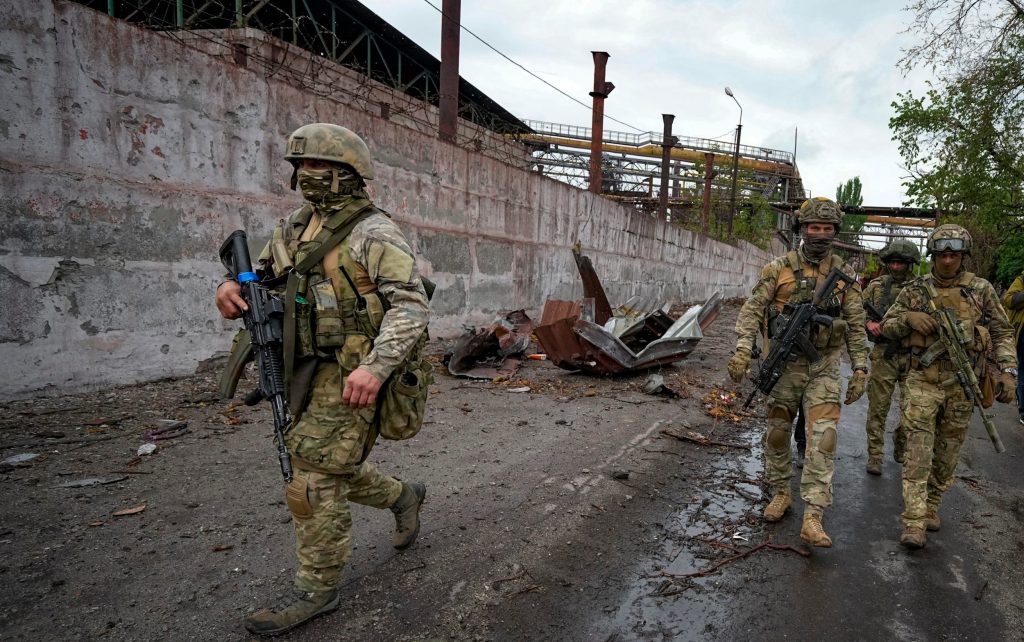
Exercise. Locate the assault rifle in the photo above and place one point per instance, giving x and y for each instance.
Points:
(952, 341)
(265, 322)
(795, 337)
(874, 314)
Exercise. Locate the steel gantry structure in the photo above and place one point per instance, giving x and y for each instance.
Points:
(632, 164)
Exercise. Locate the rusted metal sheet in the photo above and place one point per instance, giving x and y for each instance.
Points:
(494, 351)
(592, 288)
(637, 335)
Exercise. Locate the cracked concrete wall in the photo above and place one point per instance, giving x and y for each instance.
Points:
(126, 156)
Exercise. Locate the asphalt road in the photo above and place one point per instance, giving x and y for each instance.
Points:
(962, 586)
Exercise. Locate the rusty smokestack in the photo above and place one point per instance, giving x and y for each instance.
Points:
(667, 142)
(451, 18)
(601, 91)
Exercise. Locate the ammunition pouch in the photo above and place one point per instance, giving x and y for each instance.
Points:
(328, 327)
(403, 397)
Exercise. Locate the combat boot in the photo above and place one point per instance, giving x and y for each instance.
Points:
(931, 518)
(776, 508)
(912, 537)
(407, 514)
(812, 532)
(874, 466)
(295, 608)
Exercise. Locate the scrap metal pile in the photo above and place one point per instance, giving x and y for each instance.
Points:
(589, 336)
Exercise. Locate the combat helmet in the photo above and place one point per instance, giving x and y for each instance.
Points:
(900, 250)
(820, 210)
(949, 238)
(334, 143)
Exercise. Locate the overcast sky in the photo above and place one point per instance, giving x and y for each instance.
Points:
(826, 67)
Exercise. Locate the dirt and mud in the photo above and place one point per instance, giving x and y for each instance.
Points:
(583, 509)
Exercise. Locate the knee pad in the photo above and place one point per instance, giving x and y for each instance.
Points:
(296, 495)
(778, 438)
(827, 444)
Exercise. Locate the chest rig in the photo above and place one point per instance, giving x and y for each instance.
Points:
(971, 321)
(803, 289)
(326, 318)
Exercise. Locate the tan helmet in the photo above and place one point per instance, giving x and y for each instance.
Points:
(334, 143)
(900, 250)
(949, 238)
(820, 210)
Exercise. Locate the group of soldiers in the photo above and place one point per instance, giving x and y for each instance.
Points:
(897, 312)
(356, 313)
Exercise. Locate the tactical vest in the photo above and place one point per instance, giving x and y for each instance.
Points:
(795, 287)
(968, 306)
(337, 308)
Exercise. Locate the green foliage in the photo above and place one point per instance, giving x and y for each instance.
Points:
(849, 194)
(755, 222)
(962, 141)
(1010, 259)
(872, 264)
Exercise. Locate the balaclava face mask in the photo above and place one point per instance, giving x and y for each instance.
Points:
(327, 187)
(816, 246)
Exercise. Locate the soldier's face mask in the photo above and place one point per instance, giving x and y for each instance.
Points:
(946, 265)
(324, 186)
(816, 245)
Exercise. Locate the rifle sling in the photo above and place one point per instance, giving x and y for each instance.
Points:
(298, 376)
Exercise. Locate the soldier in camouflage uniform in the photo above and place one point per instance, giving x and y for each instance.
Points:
(349, 350)
(792, 279)
(887, 361)
(935, 410)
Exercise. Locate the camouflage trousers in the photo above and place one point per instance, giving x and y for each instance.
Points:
(815, 387)
(327, 445)
(935, 418)
(885, 374)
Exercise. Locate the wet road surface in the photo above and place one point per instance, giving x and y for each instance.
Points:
(961, 586)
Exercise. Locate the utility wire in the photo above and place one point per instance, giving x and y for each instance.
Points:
(492, 48)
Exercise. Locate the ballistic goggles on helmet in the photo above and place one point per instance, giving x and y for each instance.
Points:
(949, 245)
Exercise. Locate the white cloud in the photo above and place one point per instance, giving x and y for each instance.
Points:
(825, 67)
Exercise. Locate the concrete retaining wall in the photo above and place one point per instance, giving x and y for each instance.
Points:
(126, 156)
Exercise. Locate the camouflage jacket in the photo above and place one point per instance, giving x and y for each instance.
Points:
(384, 263)
(875, 292)
(976, 305)
(1016, 316)
(774, 288)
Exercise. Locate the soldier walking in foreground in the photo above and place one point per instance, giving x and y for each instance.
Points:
(936, 411)
(787, 281)
(359, 312)
(888, 362)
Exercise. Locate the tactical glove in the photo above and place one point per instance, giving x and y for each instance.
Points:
(922, 322)
(855, 388)
(738, 365)
(1006, 385)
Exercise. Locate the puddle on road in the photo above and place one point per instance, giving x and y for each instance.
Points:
(725, 512)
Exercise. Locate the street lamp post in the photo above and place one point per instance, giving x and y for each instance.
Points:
(735, 160)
